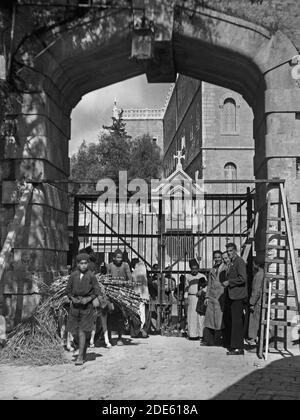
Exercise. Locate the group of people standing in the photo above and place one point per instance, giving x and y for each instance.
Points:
(217, 306)
(214, 307)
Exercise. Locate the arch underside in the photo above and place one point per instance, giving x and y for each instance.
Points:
(192, 58)
(197, 50)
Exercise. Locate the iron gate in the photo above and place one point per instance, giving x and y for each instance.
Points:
(155, 237)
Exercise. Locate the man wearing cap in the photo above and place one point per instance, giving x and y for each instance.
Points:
(82, 289)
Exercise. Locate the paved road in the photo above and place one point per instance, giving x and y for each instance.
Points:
(157, 368)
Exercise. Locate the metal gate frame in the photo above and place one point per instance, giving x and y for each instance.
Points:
(161, 234)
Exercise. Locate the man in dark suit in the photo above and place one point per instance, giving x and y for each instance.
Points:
(238, 293)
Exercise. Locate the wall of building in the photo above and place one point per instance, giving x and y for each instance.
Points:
(153, 128)
(140, 122)
(182, 125)
(197, 118)
(224, 143)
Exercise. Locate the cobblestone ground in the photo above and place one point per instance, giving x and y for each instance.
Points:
(157, 368)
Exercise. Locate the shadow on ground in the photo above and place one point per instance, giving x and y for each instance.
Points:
(278, 380)
(90, 357)
(126, 342)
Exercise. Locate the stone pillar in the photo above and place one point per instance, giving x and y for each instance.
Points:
(276, 129)
(38, 153)
(277, 135)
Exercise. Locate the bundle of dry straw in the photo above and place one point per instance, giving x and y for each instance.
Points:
(121, 294)
(36, 341)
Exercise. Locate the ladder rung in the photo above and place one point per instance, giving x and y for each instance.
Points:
(280, 247)
(275, 276)
(279, 323)
(288, 293)
(276, 219)
(276, 260)
(278, 276)
(281, 307)
(276, 232)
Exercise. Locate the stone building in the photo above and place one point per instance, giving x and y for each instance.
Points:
(140, 122)
(214, 126)
(145, 121)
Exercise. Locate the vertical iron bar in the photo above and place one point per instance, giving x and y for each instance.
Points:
(110, 223)
(220, 227)
(131, 230)
(125, 223)
(145, 234)
(105, 232)
(187, 253)
(233, 220)
(160, 264)
(179, 236)
(213, 224)
(151, 240)
(92, 218)
(226, 210)
(205, 233)
(138, 233)
(75, 229)
(241, 224)
(118, 229)
(84, 223)
(249, 223)
(98, 228)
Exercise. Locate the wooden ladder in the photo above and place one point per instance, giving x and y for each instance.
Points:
(281, 289)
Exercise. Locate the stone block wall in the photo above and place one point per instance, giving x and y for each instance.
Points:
(38, 153)
(220, 147)
(201, 107)
(152, 127)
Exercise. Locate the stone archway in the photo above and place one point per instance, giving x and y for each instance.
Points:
(94, 53)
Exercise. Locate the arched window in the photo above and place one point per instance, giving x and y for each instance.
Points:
(230, 174)
(183, 146)
(298, 167)
(229, 118)
(192, 129)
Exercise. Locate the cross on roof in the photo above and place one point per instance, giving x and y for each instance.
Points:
(179, 156)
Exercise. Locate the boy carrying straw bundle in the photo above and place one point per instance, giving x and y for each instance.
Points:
(82, 289)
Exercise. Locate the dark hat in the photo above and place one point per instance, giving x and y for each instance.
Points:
(82, 257)
(117, 252)
(192, 262)
(89, 250)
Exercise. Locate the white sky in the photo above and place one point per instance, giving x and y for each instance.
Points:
(95, 108)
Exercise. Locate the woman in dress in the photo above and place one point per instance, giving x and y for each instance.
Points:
(195, 285)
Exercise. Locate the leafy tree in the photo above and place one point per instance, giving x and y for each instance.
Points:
(115, 151)
(146, 159)
(114, 155)
(118, 126)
